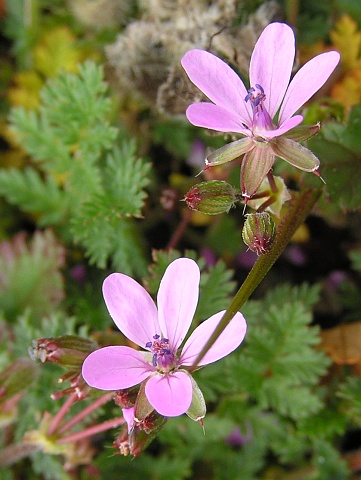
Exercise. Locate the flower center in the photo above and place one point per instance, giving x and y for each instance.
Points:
(255, 95)
(163, 358)
(261, 118)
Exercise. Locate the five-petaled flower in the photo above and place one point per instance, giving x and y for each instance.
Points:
(162, 369)
(255, 113)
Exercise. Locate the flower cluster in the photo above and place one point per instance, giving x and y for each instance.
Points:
(264, 113)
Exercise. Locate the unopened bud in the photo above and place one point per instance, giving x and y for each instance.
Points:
(68, 351)
(140, 435)
(259, 232)
(212, 197)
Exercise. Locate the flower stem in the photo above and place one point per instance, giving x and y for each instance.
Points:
(86, 412)
(61, 413)
(90, 431)
(299, 208)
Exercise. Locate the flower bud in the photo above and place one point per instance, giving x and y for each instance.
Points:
(136, 440)
(212, 197)
(68, 351)
(259, 232)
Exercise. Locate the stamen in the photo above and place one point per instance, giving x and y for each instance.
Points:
(255, 95)
(162, 355)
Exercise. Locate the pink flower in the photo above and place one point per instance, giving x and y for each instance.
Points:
(169, 387)
(264, 113)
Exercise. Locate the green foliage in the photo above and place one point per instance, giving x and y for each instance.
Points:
(49, 467)
(38, 196)
(89, 182)
(103, 224)
(355, 257)
(339, 148)
(283, 360)
(352, 8)
(350, 393)
(177, 468)
(269, 386)
(225, 236)
(328, 463)
(215, 290)
(31, 277)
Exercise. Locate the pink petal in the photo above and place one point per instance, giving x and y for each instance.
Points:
(231, 337)
(284, 128)
(307, 81)
(131, 307)
(177, 299)
(218, 81)
(208, 115)
(128, 414)
(271, 63)
(113, 368)
(170, 394)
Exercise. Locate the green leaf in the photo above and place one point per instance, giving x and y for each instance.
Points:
(125, 178)
(103, 225)
(31, 274)
(339, 149)
(355, 257)
(278, 358)
(305, 293)
(35, 195)
(215, 290)
(328, 463)
(350, 393)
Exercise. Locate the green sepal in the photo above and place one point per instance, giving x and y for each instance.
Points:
(295, 154)
(142, 406)
(229, 152)
(303, 132)
(197, 410)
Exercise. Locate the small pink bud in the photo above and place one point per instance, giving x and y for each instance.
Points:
(259, 232)
(212, 197)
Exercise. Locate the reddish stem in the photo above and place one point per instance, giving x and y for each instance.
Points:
(84, 413)
(61, 413)
(88, 432)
